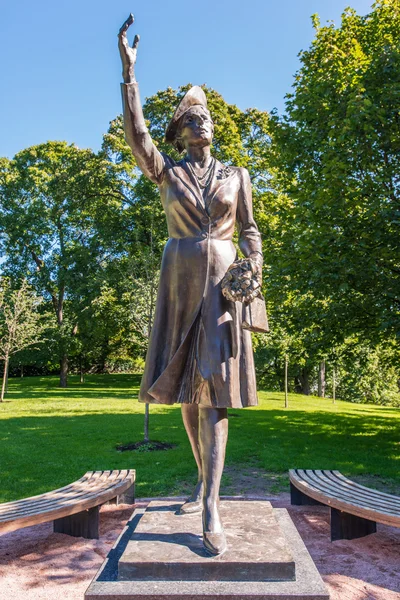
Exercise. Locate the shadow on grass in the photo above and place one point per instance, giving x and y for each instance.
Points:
(100, 386)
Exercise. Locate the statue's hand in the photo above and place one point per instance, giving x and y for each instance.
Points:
(128, 54)
(257, 264)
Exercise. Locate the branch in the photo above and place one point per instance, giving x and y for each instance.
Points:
(40, 265)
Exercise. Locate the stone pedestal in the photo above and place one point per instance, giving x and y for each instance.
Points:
(166, 545)
(160, 556)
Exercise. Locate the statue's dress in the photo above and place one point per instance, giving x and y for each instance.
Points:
(198, 351)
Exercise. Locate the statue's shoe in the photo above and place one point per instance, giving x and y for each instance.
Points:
(189, 507)
(214, 543)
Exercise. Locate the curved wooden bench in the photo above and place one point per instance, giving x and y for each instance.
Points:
(355, 509)
(73, 508)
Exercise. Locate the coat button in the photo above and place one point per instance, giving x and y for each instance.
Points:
(205, 221)
(204, 235)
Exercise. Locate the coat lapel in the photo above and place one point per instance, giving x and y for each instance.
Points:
(221, 175)
(183, 173)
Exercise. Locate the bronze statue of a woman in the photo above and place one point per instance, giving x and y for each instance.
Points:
(199, 355)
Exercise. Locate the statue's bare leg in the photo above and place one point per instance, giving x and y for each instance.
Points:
(213, 435)
(190, 416)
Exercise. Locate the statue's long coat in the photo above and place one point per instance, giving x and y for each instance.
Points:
(198, 351)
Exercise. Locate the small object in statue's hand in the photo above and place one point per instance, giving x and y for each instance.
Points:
(242, 281)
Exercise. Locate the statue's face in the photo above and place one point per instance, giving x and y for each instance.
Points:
(196, 128)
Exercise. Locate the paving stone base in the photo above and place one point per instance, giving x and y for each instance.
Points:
(270, 543)
(168, 546)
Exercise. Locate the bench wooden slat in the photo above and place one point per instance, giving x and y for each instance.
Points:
(108, 485)
(363, 492)
(336, 490)
(21, 501)
(66, 509)
(311, 485)
(102, 485)
(77, 489)
(37, 503)
(90, 479)
(335, 494)
(72, 488)
(382, 495)
(352, 492)
(347, 506)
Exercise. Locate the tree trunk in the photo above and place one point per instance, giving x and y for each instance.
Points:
(104, 355)
(3, 387)
(7, 371)
(304, 381)
(321, 379)
(64, 371)
(146, 422)
(333, 385)
(286, 382)
(82, 374)
(21, 371)
(278, 374)
(59, 305)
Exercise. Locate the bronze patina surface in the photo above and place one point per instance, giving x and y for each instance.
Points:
(199, 355)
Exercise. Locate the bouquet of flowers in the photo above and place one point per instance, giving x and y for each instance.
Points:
(242, 281)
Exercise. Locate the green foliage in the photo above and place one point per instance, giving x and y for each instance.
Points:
(332, 280)
(363, 373)
(366, 374)
(20, 320)
(88, 230)
(337, 157)
(21, 324)
(57, 206)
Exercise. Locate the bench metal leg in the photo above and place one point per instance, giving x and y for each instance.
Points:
(348, 527)
(297, 497)
(84, 524)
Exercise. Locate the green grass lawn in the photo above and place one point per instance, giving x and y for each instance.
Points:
(50, 437)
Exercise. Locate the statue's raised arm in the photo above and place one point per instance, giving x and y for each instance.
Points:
(148, 158)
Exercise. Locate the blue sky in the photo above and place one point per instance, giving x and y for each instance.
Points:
(60, 68)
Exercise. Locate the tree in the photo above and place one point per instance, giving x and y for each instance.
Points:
(21, 324)
(337, 162)
(54, 202)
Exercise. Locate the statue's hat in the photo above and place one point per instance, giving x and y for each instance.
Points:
(194, 97)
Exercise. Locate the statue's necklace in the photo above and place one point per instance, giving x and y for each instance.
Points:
(203, 180)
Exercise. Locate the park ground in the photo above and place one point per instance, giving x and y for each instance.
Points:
(51, 436)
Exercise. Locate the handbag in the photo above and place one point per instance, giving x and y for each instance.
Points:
(255, 316)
